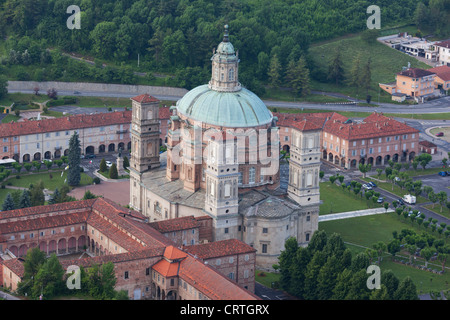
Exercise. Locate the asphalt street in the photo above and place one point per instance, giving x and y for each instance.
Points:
(433, 106)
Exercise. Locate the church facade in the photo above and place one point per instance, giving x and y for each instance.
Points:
(222, 161)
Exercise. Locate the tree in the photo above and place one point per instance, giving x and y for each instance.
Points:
(379, 247)
(274, 71)
(3, 86)
(74, 175)
(25, 201)
(297, 76)
(8, 204)
(108, 280)
(285, 261)
(321, 174)
(423, 159)
(355, 74)
(393, 247)
(49, 279)
(103, 167)
(89, 195)
(366, 76)
(37, 196)
(364, 168)
(379, 172)
(113, 174)
(336, 67)
(442, 198)
(391, 282)
(406, 290)
(126, 162)
(33, 261)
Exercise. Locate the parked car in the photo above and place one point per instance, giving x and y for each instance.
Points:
(372, 184)
(380, 200)
(108, 164)
(367, 187)
(442, 173)
(91, 156)
(82, 156)
(439, 134)
(401, 202)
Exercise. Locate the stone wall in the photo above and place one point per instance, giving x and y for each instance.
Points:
(132, 90)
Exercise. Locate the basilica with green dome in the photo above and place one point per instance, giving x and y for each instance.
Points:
(222, 162)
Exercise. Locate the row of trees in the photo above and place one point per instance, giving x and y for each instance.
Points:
(326, 270)
(46, 276)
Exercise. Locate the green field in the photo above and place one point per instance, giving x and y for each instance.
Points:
(365, 231)
(336, 200)
(386, 62)
(51, 180)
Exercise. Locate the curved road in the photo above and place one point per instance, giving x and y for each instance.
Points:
(441, 105)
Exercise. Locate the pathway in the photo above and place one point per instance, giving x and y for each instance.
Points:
(353, 214)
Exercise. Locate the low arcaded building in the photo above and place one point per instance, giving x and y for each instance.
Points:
(148, 264)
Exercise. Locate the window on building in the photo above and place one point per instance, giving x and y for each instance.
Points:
(265, 230)
(251, 175)
(227, 190)
(264, 248)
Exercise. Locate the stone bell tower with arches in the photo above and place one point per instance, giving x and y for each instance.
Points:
(145, 133)
(221, 197)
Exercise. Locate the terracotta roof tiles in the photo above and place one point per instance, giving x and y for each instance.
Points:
(219, 249)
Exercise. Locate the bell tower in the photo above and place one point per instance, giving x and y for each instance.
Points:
(221, 196)
(145, 133)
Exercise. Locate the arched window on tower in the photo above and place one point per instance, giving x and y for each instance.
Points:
(231, 74)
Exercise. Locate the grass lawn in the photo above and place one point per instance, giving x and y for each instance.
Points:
(337, 200)
(106, 175)
(413, 173)
(9, 118)
(385, 63)
(365, 231)
(49, 183)
(266, 278)
(22, 98)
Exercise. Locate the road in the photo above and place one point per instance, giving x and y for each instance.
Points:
(434, 106)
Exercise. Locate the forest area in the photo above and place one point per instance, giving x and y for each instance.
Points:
(175, 38)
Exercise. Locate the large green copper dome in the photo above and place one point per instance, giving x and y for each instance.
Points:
(234, 109)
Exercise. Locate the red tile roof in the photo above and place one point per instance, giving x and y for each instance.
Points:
(64, 123)
(442, 72)
(115, 258)
(172, 253)
(375, 125)
(145, 98)
(445, 44)
(15, 265)
(209, 281)
(74, 206)
(39, 223)
(177, 224)
(219, 249)
(166, 268)
(73, 122)
(302, 121)
(415, 73)
(427, 144)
